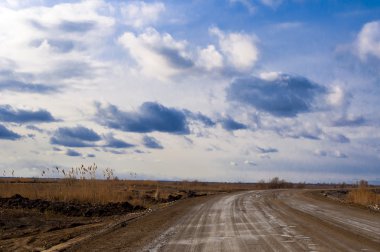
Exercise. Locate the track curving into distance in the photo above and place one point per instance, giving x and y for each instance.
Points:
(280, 220)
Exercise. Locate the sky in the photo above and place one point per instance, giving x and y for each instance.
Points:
(218, 90)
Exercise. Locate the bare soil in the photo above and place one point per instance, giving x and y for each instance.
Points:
(137, 233)
(69, 208)
(274, 220)
(39, 225)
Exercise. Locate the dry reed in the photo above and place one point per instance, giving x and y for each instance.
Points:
(363, 195)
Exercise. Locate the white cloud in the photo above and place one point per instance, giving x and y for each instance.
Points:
(110, 42)
(157, 55)
(140, 14)
(248, 162)
(339, 154)
(209, 58)
(238, 48)
(40, 39)
(252, 8)
(320, 153)
(19, 4)
(269, 76)
(368, 40)
(337, 97)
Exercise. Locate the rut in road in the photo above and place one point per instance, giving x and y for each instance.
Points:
(263, 221)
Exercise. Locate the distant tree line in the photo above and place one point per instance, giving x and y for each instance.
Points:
(277, 183)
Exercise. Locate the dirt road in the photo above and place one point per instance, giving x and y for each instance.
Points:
(274, 220)
(287, 220)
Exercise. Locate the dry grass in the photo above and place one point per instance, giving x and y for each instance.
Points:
(80, 184)
(363, 196)
(137, 192)
(94, 191)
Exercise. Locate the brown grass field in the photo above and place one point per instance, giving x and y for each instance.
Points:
(40, 213)
(104, 191)
(81, 184)
(364, 195)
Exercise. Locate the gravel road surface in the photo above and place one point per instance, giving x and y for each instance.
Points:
(283, 220)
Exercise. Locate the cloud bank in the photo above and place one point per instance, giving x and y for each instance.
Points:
(283, 96)
(10, 114)
(75, 137)
(7, 134)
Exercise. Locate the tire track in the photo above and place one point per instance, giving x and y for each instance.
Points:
(271, 221)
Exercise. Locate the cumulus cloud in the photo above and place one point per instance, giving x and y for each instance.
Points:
(320, 153)
(284, 96)
(349, 121)
(300, 130)
(112, 142)
(73, 153)
(22, 87)
(34, 128)
(267, 150)
(149, 117)
(339, 138)
(57, 45)
(10, 114)
(157, 55)
(270, 76)
(337, 97)
(307, 133)
(248, 162)
(71, 69)
(230, 124)
(139, 14)
(239, 48)
(76, 26)
(7, 134)
(210, 58)
(339, 154)
(75, 137)
(207, 121)
(40, 39)
(329, 153)
(152, 143)
(368, 41)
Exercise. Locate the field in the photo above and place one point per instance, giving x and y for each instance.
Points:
(82, 185)
(41, 213)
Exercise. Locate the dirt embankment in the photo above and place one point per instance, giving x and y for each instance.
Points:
(295, 220)
(37, 225)
(69, 208)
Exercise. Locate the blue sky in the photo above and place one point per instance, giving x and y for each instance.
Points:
(234, 90)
